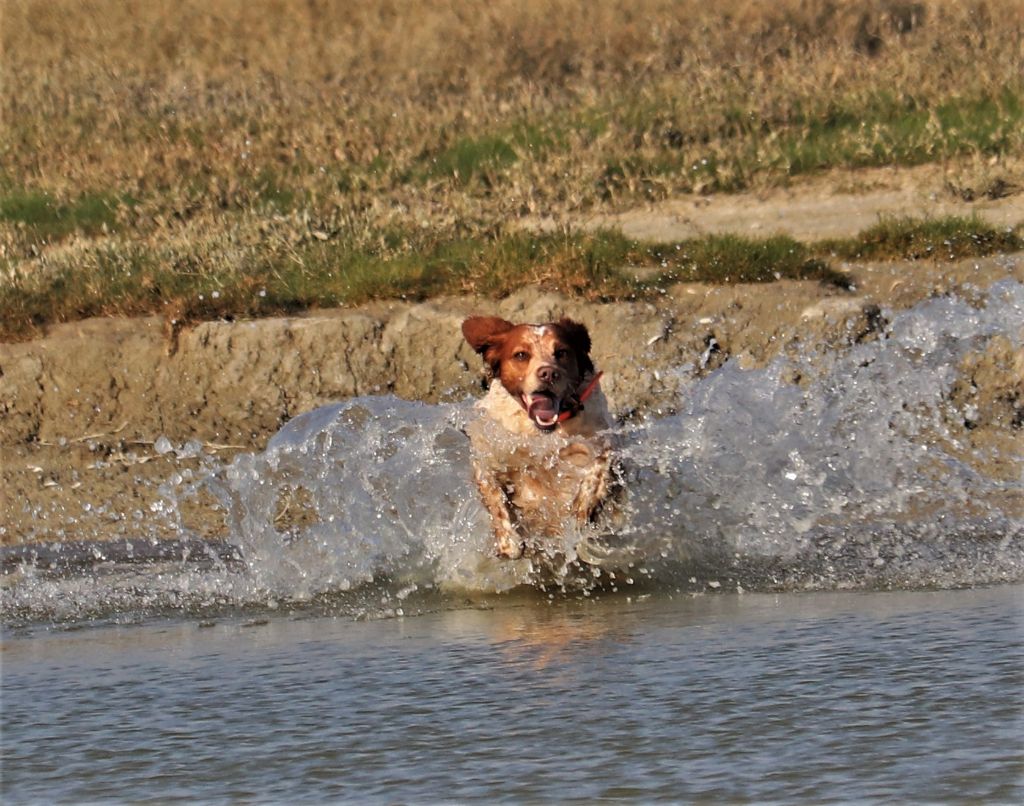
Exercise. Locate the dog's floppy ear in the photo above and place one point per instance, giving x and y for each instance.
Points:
(579, 339)
(485, 335)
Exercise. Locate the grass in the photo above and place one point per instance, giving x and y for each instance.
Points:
(597, 266)
(328, 151)
(860, 131)
(952, 237)
(885, 132)
(46, 220)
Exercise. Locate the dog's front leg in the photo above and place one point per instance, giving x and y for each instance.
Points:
(593, 488)
(506, 540)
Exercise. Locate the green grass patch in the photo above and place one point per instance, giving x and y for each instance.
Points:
(735, 144)
(49, 220)
(951, 238)
(882, 131)
(128, 279)
(736, 259)
(471, 156)
(599, 266)
(482, 155)
(331, 273)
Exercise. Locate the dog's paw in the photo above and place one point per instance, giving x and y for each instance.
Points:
(603, 553)
(509, 547)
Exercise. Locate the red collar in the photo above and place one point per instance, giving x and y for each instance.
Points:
(577, 407)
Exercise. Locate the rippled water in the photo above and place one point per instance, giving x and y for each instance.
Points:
(792, 697)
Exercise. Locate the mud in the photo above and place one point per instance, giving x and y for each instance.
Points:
(98, 414)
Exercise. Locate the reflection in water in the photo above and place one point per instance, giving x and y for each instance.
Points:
(549, 640)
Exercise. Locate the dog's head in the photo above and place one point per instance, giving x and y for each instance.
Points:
(539, 365)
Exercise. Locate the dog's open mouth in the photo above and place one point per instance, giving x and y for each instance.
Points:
(542, 407)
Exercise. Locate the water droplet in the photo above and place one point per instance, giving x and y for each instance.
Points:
(163, 445)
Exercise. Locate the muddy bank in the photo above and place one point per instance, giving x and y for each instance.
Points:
(99, 413)
(234, 383)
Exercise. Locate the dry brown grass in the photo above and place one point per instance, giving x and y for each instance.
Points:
(211, 135)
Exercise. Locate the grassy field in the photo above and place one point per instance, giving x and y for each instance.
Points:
(245, 157)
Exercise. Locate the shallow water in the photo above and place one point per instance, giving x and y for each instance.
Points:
(789, 697)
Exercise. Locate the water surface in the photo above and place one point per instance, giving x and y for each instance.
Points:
(791, 697)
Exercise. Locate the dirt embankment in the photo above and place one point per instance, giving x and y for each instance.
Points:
(234, 383)
(85, 408)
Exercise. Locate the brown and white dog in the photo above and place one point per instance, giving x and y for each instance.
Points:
(542, 454)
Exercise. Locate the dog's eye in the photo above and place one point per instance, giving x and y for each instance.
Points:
(561, 354)
(522, 355)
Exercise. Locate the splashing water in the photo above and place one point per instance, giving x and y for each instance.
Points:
(851, 477)
(846, 481)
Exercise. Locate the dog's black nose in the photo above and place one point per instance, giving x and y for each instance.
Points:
(548, 374)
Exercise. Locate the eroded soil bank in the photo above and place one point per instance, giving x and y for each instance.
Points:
(99, 413)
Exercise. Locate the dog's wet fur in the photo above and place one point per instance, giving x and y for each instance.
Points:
(542, 457)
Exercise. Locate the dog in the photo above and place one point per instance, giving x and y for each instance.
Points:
(541, 449)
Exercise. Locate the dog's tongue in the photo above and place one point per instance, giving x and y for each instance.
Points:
(542, 409)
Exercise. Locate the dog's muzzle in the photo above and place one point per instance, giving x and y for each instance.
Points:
(543, 407)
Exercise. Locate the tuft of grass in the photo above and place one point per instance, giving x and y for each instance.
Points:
(737, 259)
(482, 156)
(473, 156)
(950, 237)
(47, 220)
